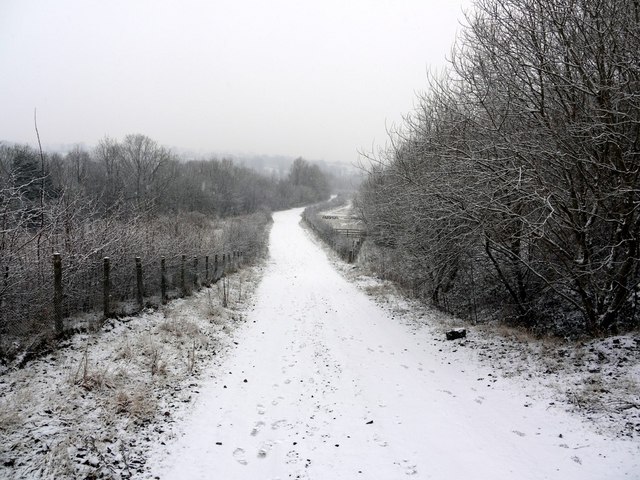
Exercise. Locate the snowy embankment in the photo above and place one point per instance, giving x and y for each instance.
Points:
(94, 407)
(325, 383)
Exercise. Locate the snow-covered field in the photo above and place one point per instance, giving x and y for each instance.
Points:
(320, 373)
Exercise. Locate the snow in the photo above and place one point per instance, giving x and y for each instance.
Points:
(325, 383)
(331, 356)
(93, 407)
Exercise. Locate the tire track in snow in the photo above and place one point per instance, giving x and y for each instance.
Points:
(324, 385)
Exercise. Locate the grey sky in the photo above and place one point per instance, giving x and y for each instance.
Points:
(319, 79)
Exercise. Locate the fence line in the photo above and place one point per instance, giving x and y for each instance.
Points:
(345, 241)
(112, 288)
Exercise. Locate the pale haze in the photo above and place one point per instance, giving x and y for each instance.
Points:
(318, 79)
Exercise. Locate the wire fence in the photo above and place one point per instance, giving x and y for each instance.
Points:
(52, 301)
(53, 285)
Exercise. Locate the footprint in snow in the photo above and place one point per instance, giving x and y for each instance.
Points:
(408, 467)
(239, 455)
(411, 470)
(265, 448)
(277, 424)
(260, 409)
(379, 441)
(520, 434)
(479, 400)
(256, 429)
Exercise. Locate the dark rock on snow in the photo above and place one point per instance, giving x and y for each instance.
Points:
(456, 333)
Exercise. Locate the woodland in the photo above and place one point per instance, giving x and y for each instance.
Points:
(512, 192)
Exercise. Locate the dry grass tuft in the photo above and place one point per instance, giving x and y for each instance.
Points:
(137, 404)
(90, 378)
(124, 351)
(179, 327)
(9, 417)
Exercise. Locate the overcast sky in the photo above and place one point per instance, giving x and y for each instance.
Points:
(314, 78)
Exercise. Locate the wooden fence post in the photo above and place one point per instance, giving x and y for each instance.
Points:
(215, 268)
(195, 272)
(183, 285)
(57, 292)
(206, 269)
(106, 286)
(6, 282)
(163, 281)
(140, 288)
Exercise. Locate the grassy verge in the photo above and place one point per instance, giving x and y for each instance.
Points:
(94, 407)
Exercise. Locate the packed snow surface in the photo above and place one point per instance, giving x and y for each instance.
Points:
(325, 384)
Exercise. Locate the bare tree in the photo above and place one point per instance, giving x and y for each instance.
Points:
(143, 160)
(522, 165)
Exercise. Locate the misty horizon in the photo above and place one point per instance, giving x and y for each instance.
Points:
(322, 81)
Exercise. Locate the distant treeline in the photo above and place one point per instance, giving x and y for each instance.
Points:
(513, 190)
(138, 172)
